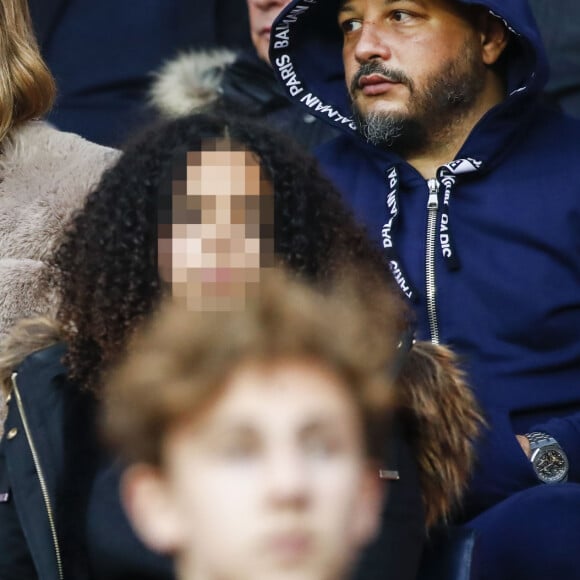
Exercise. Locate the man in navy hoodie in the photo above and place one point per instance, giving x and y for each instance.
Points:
(472, 188)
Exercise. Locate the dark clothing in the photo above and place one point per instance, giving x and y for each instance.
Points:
(93, 535)
(559, 24)
(45, 15)
(522, 349)
(532, 534)
(493, 239)
(55, 514)
(115, 552)
(15, 558)
(401, 538)
(50, 458)
(249, 84)
(102, 53)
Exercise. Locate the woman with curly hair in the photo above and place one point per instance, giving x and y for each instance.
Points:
(140, 235)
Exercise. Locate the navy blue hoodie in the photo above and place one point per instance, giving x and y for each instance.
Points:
(499, 248)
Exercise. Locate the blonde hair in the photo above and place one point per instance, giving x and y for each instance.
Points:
(27, 89)
(183, 360)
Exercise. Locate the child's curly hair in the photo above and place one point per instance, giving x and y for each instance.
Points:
(107, 265)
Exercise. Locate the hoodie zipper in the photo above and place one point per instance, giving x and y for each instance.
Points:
(41, 477)
(431, 289)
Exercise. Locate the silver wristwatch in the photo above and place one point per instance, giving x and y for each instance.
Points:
(548, 458)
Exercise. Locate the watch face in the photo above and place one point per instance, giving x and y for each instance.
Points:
(551, 465)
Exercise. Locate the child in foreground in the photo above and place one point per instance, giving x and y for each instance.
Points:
(252, 436)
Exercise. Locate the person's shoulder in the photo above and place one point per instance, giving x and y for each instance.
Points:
(553, 123)
(347, 153)
(41, 142)
(341, 145)
(47, 360)
(29, 342)
(38, 152)
(43, 167)
(550, 146)
(27, 289)
(42, 377)
(46, 175)
(31, 350)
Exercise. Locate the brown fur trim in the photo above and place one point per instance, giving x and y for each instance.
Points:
(444, 420)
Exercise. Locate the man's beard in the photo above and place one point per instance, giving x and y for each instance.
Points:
(433, 111)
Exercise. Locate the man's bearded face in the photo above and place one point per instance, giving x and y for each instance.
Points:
(435, 102)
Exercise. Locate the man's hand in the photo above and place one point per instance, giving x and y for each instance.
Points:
(525, 445)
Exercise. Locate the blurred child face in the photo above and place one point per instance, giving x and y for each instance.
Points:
(269, 483)
(215, 252)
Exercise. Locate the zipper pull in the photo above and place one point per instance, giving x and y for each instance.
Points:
(433, 202)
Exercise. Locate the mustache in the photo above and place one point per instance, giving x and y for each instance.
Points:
(375, 67)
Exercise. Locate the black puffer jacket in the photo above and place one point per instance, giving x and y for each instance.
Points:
(48, 459)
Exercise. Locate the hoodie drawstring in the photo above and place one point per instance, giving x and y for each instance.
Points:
(447, 176)
(388, 231)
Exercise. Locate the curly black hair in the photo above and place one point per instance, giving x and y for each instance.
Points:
(106, 267)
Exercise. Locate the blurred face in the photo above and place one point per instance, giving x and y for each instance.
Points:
(271, 482)
(412, 67)
(213, 254)
(262, 14)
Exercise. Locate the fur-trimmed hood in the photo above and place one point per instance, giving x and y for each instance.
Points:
(189, 81)
(45, 175)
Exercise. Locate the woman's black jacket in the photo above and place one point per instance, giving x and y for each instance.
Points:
(60, 511)
(48, 460)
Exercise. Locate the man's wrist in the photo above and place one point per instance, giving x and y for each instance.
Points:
(549, 460)
(525, 445)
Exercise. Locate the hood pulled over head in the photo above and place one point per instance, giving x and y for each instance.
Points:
(306, 54)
